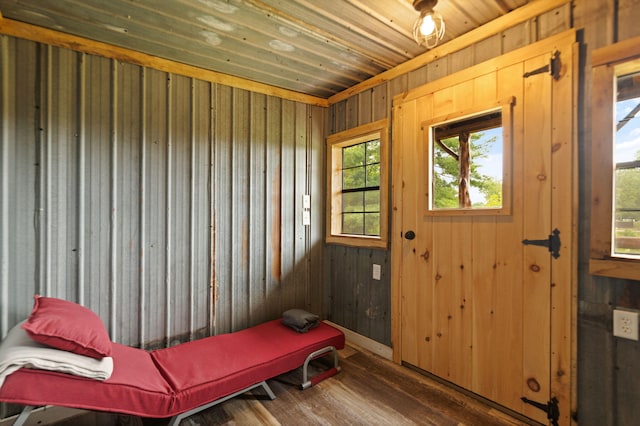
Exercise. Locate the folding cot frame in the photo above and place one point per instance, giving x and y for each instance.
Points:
(306, 383)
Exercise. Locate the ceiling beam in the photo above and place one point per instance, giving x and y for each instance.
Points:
(517, 16)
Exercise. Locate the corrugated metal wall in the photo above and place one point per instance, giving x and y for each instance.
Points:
(170, 206)
(359, 302)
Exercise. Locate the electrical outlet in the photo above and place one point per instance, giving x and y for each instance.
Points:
(625, 324)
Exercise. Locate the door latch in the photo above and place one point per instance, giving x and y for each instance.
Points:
(551, 408)
(552, 243)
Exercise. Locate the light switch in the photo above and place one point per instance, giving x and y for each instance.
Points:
(306, 217)
(376, 271)
(306, 201)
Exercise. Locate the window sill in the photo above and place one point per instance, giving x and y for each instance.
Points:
(357, 241)
(615, 268)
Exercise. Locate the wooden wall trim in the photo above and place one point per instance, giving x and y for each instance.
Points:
(617, 52)
(549, 43)
(522, 14)
(59, 39)
(614, 268)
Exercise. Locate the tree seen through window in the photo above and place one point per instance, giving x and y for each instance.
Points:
(467, 163)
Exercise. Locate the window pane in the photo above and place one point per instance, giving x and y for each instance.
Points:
(353, 202)
(353, 156)
(372, 201)
(353, 178)
(626, 219)
(353, 223)
(373, 151)
(373, 175)
(372, 223)
(467, 156)
(445, 174)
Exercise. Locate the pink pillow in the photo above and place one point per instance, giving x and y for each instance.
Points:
(68, 326)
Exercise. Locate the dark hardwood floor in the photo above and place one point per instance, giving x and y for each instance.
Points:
(368, 391)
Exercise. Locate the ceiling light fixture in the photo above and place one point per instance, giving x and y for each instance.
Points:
(429, 28)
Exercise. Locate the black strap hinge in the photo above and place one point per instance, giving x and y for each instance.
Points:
(552, 243)
(551, 408)
(553, 67)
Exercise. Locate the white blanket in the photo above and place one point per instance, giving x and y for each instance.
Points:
(19, 350)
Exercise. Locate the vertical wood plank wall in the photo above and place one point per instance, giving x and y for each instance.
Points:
(608, 377)
(168, 205)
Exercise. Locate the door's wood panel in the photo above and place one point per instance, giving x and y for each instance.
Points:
(443, 103)
(485, 86)
(537, 225)
(411, 307)
(461, 319)
(425, 285)
(564, 201)
(444, 294)
(476, 304)
(509, 257)
(485, 324)
(463, 95)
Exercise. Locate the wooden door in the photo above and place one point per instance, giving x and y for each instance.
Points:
(472, 303)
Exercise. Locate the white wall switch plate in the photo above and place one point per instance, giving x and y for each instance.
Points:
(306, 201)
(306, 217)
(625, 324)
(377, 270)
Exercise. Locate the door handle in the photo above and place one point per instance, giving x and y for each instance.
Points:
(409, 235)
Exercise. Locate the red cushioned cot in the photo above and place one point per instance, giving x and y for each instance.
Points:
(182, 380)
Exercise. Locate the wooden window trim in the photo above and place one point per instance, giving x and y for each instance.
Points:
(608, 63)
(335, 143)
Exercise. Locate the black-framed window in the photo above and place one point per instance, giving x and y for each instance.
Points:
(361, 188)
(357, 186)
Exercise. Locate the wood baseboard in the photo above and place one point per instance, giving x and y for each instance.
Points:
(371, 345)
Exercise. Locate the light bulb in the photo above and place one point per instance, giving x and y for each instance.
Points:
(428, 26)
(428, 29)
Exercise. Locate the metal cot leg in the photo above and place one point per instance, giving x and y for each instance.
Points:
(23, 415)
(175, 420)
(308, 382)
